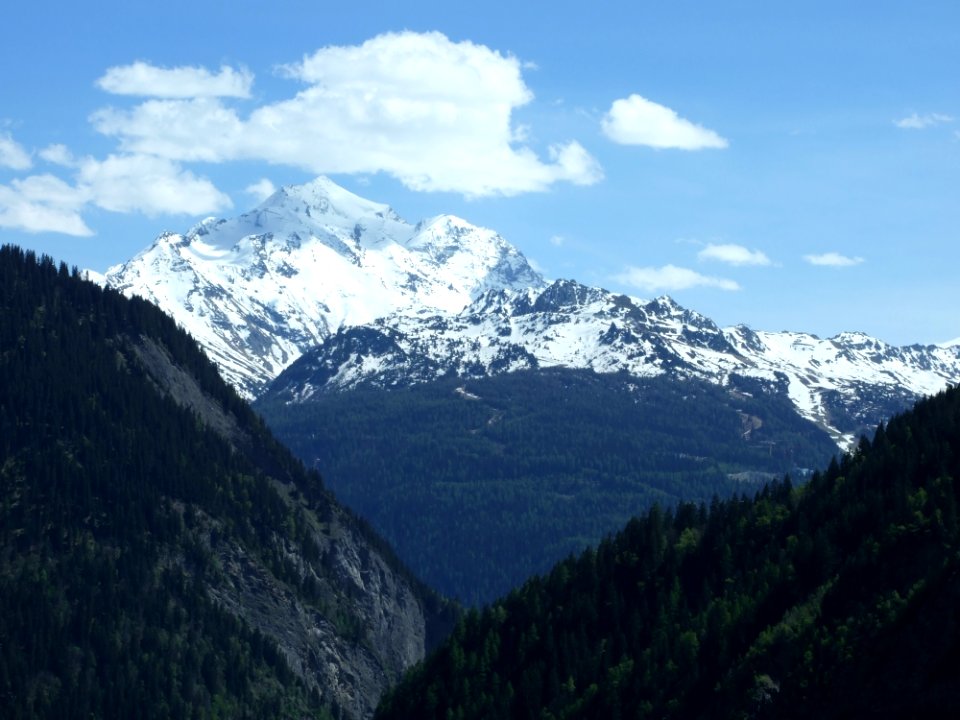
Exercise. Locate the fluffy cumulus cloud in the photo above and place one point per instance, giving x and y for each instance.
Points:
(920, 122)
(637, 121)
(670, 278)
(12, 154)
(833, 259)
(434, 113)
(147, 80)
(733, 255)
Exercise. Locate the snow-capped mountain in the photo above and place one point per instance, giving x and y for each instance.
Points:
(375, 300)
(258, 290)
(846, 384)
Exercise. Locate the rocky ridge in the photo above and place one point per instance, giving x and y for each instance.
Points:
(845, 384)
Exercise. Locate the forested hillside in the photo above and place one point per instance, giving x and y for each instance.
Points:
(837, 599)
(161, 555)
(480, 484)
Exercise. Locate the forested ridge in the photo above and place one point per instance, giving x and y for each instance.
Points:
(113, 498)
(840, 598)
(481, 483)
(835, 598)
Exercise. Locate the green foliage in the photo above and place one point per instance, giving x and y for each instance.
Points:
(835, 600)
(480, 484)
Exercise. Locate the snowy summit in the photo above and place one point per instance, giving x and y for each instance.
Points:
(258, 290)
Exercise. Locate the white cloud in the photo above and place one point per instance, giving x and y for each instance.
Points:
(150, 185)
(201, 129)
(262, 189)
(575, 164)
(12, 154)
(919, 122)
(42, 203)
(638, 121)
(58, 155)
(536, 266)
(557, 240)
(733, 255)
(147, 80)
(670, 278)
(433, 113)
(126, 183)
(832, 259)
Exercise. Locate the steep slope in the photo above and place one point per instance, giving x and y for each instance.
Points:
(846, 384)
(835, 600)
(161, 555)
(480, 484)
(260, 289)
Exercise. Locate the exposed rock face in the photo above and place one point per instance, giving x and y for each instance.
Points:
(382, 628)
(349, 619)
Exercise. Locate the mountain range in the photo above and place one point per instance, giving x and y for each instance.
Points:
(162, 555)
(845, 384)
(318, 289)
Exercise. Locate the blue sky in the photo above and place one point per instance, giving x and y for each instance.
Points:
(784, 165)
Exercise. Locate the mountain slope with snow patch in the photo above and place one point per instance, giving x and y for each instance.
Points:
(845, 384)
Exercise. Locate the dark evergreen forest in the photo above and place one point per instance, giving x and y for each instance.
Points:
(105, 485)
(837, 599)
(480, 484)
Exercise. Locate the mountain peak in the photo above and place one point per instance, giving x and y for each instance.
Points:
(259, 289)
(859, 340)
(204, 227)
(322, 196)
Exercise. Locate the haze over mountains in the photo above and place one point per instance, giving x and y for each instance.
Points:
(371, 299)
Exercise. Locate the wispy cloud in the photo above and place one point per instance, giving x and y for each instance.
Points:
(120, 183)
(58, 155)
(920, 122)
(148, 185)
(147, 80)
(261, 190)
(12, 154)
(670, 278)
(434, 113)
(43, 203)
(833, 259)
(637, 121)
(733, 255)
